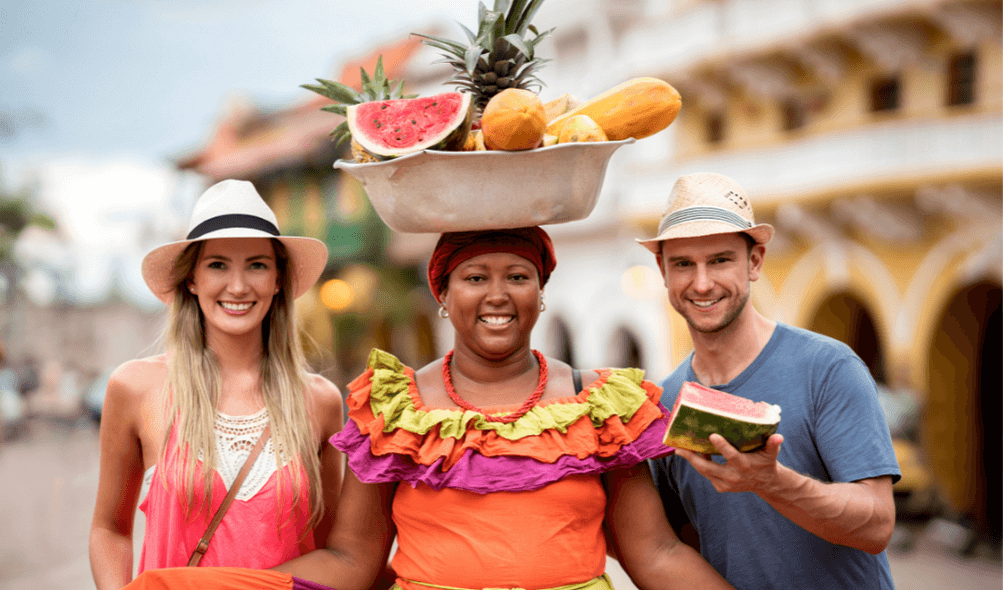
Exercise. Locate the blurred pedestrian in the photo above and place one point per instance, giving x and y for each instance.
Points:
(821, 509)
(232, 385)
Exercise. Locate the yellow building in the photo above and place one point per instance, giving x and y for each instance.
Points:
(869, 133)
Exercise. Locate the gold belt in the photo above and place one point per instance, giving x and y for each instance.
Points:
(598, 583)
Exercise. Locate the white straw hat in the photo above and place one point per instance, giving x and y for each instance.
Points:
(704, 204)
(234, 209)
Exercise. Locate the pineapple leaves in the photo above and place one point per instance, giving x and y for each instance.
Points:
(336, 91)
(440, 43)
(518, 42)
(527, 15)
(341, 134)
(338, 109)
(515, 16)
(471, 57)
(471, 37)
(499, 55)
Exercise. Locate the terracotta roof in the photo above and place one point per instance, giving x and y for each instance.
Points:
(395, 58)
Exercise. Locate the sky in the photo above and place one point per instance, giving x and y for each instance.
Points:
(98, 97)
(148, 78)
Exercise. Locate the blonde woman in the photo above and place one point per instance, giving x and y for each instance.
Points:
(185, 422)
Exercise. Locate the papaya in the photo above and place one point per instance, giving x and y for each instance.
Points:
(637, 108)
(513, 119)
(581, 128)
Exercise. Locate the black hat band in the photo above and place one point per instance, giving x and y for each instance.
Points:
(232, 220)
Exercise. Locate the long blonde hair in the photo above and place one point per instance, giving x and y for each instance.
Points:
(194, 382)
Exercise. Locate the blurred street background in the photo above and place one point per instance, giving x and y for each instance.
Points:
(868, 132)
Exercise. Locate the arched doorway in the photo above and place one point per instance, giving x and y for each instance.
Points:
(961, 426)
(846, 319)
(626, 350)
(564, 347)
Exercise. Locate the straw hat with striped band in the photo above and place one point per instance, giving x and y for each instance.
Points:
(234, 209)
(704, 204)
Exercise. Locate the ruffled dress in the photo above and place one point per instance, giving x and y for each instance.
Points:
(501, 505)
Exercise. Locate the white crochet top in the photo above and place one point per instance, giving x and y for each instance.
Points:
(235, 437)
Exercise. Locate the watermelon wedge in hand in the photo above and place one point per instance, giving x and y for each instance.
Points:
(701, 411)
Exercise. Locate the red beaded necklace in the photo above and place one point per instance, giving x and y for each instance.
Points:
(523, 409)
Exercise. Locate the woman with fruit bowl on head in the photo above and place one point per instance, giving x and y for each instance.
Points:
(233, 380)
(495, 467)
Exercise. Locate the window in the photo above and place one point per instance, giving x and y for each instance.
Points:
(885, 94)
(715, 128)
(962, 79)
(792, 114)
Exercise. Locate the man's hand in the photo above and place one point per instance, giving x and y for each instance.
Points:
(755, 471)
(859, 514)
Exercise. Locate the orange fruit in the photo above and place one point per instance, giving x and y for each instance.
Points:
(513, 119)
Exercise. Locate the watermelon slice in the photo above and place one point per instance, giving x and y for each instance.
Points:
(699, 411)
(391, 128)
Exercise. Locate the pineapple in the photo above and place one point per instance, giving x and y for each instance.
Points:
(500, 56)
(376, 88)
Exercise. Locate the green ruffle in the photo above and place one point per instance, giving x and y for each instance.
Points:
(620, 395)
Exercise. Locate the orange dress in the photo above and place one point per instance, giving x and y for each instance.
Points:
(502, 505)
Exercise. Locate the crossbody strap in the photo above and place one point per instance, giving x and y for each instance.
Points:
(203, 545)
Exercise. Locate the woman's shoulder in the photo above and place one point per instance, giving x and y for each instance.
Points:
(139, 377)
(323, 391)
(326, 399)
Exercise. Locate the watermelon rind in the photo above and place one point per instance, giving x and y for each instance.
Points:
(692, 422)
(451, 138)
(692, 426)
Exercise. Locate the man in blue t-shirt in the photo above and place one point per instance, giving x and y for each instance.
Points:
(814, 507)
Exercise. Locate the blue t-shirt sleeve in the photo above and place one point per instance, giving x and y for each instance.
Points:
(851, 434)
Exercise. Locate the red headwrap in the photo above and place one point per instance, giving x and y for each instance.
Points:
(453, 248)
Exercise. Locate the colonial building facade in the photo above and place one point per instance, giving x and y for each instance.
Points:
(869, 134)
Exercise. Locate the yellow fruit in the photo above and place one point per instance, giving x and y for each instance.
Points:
(513, 120)
(581, 128)
(360, 155)
(479, 141)
(560, 106)
(548, 140)
(637, 108)
(470, 144)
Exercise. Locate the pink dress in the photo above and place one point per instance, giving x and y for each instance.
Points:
(250, 534)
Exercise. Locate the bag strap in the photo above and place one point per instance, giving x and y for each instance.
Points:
(577, 380)
(203, 545)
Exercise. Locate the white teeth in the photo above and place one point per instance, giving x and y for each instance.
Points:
(704, 303)
(236, 306)
(496, 320)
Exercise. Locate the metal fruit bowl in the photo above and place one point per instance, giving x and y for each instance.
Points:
(436, 192)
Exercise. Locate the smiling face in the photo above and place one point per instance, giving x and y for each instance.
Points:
(235, 280)
(494, 301)
(708, 278)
